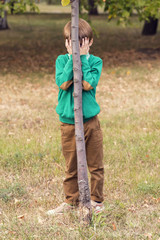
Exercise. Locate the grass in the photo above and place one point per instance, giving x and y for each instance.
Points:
(32, 165)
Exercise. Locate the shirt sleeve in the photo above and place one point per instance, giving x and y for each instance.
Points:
(91, 74)
(64, 72)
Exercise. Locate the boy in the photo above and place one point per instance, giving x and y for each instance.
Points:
(91, 70)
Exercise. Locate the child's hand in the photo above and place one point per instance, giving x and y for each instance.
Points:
(84, 49)
(68, 46)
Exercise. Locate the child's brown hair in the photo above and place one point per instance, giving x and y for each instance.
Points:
(85, 30)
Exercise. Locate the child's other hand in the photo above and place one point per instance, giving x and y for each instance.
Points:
(68, 46)
(84, 49)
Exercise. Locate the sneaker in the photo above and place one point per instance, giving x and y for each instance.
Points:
(63, 208)
(97, 207)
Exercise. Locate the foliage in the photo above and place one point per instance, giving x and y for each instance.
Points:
(17, 6)
(120, 9)
(124, 9)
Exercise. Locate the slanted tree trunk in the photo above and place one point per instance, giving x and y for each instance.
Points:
(84, 192)
(92, 8)
(150, 27)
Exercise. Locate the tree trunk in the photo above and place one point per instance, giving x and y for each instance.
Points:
(92, 8)
(49, 2)
(12, 7)
(84, 192)
(3, 22)
(150, 27)
(80, 7)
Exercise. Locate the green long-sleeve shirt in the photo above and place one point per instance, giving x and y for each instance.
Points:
(91, 70)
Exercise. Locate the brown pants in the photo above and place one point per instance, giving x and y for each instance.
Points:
(94, 152)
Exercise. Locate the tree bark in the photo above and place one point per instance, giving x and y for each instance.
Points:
(150, 27)
(12, 7)
(3, 21)
(92, 8)
(49, 2)
(84, 192)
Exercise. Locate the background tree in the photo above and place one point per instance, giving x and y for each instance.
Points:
(92, 7)
(146, 10)
(3, 16)
(150, 26)
(15, 6)
(123, 10)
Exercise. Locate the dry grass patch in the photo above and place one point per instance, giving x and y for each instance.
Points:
(33, 167)
(31, 162)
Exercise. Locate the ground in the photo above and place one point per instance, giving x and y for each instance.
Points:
(32, 165)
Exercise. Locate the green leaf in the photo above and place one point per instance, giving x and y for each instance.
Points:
(65, 2)
(125, 14)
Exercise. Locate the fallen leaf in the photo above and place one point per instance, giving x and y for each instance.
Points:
(131, 209)
(16, 201)
(146, 205)
(10, 133)
(40, 220)
(12, 232)
(158, 200)
(114, 226)
(20, 217)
